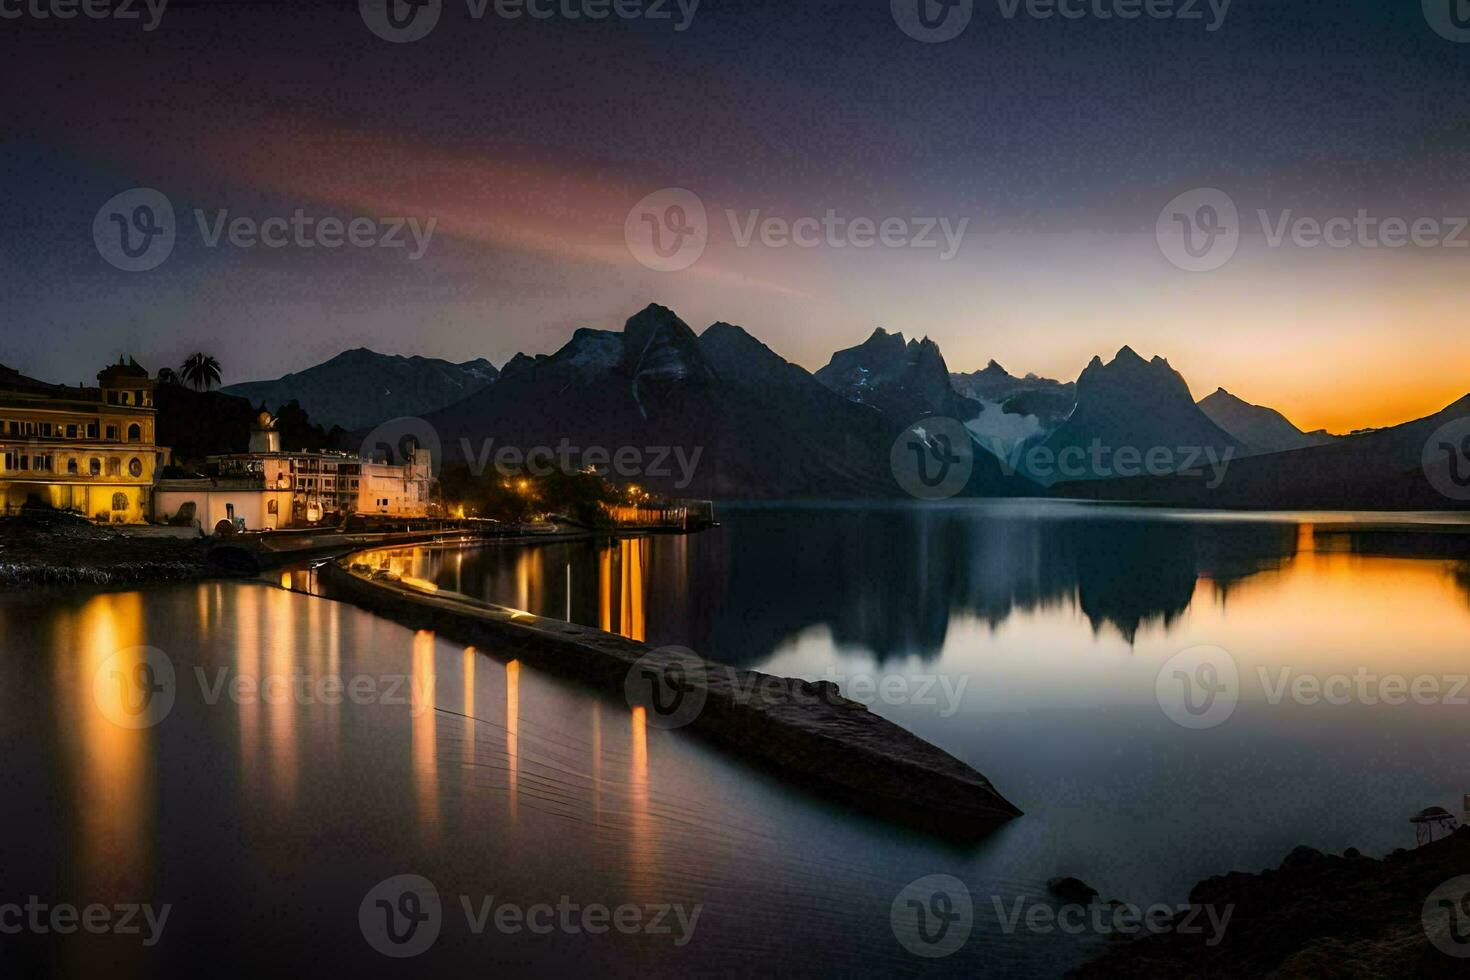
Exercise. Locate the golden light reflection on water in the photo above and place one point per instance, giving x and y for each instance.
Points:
(513, 734)
(470, 655)
(641, 857)
(425, 734)
(277, 693)
(115, 779)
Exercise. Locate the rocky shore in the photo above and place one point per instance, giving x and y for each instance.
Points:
(39, 551)
(795, 728)
(1320, 915)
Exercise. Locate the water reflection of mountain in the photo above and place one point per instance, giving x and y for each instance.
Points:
(891, 579)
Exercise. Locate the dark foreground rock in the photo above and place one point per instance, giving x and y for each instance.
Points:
(799, 729)
(56, 549)
(1320, 915)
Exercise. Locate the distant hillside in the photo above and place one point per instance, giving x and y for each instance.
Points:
(359, 388)
(1261, 429)
(1379, 470)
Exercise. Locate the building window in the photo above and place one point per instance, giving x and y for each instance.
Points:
(272, 506)
(91, 430)
(71, 431)
(112, 433)
(135, 433)
(44, 430)
(10, 461)
(114, 466)
(119, 501)
(96, 466)
(135, 467)
(71, 466)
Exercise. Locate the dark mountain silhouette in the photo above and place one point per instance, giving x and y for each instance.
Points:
(359, 388)
(905, 380)
(1260, 429)
(755, 425)
(1379, 470)
(1132, 405)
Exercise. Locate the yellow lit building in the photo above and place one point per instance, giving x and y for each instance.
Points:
(89, 450)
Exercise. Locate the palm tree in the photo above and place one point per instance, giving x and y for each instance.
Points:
(201, 371)
(166, 376)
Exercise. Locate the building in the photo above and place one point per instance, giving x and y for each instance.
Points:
(268, 488)
(87, 450)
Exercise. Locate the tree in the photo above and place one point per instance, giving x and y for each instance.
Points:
(201, 371)
(167, 376)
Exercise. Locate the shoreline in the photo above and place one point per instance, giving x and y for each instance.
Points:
(1316, 915)
(804, 731)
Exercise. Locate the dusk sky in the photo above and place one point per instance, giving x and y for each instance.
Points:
(1055, 142)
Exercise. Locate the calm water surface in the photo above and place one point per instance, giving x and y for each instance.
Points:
(264, 805)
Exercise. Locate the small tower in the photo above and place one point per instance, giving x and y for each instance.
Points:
(263, 435)
(126, 383)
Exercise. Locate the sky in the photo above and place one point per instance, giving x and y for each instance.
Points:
(531, 153)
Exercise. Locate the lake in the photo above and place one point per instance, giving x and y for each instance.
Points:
(309, 751)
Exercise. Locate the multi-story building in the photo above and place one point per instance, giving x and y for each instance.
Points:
(88, 450)
(268, 488)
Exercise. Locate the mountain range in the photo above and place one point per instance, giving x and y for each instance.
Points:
(757, 425)
(750, 424)
(1259, 429)
(360, 388)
